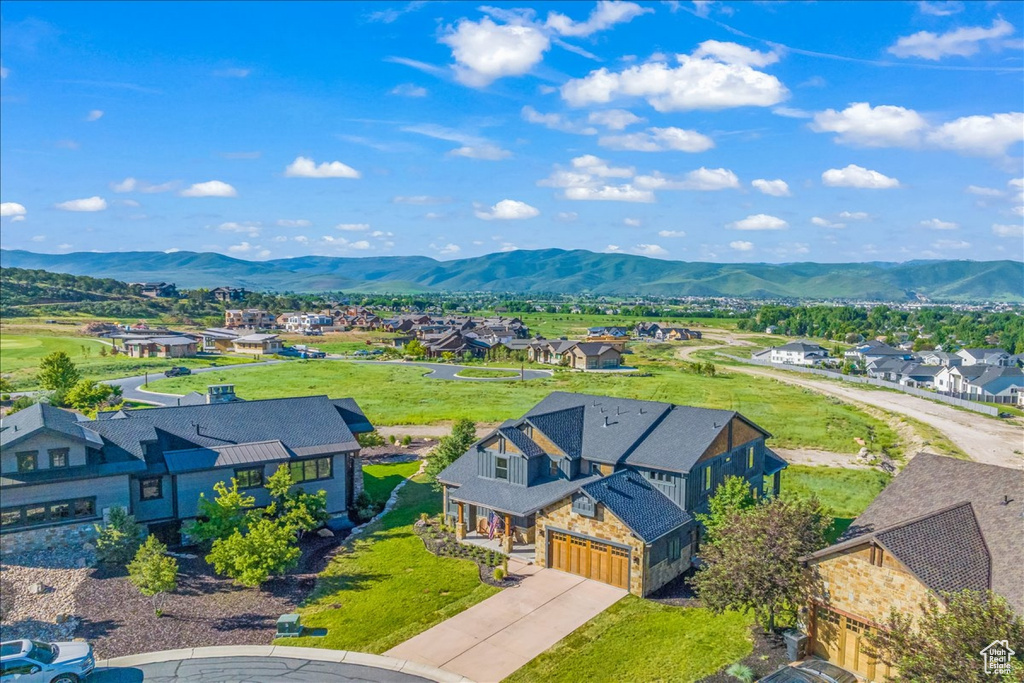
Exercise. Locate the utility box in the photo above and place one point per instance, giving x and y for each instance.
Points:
(289, 626)
(796, 644)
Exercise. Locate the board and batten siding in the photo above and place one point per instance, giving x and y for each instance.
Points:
(518, 465)
(730, 463)
(157, 508)
(674, 487)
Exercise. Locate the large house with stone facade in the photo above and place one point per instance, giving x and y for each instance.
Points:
(61, 473)
(942, 525)
(605, 487)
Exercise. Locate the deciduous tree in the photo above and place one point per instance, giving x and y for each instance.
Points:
(58, 374)
(153, 571)
(731, 497)
(219, 517)
(450, 448)
(268, 547)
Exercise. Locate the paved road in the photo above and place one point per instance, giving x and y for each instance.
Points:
(496, 637)
(249, 669)
(131, 387)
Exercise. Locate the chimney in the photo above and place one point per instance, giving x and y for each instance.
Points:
(220, 393)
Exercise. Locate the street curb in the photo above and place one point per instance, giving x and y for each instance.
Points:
(311, 653)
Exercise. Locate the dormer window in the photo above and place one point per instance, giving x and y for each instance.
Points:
(501, 466)
(553, 467)
(26, 461)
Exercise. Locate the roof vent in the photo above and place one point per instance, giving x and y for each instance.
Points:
(641, 411)
(605, 420)
(1007, 500)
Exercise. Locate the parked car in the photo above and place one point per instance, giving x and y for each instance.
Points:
(312, 353)
(32, 661)
(810, 671)
(178, 372)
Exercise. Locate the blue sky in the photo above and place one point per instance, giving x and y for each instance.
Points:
(699, 131)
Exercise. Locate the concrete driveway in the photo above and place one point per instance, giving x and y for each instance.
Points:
(493, 639)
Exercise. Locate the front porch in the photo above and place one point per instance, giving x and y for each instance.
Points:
(495, 530)
(524, 552)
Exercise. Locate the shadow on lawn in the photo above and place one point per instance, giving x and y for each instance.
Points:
(330, 585)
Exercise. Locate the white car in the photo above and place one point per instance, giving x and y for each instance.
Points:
(31, 661)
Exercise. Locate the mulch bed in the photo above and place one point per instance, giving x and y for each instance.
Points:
(204, 610)
(768, 655)
(677, 592)
(443, 544)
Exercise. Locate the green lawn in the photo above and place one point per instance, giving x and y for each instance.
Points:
(388, 588)
(640, 640)
(487, 373)
(845, 492)
(399, 394)
(380, 480)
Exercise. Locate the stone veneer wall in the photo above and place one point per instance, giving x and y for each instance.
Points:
(47, 538)
(357, 477)
(605, 526)
(663, 572)
(852, 584)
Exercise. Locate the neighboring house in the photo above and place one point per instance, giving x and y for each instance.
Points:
(798, 353)
(250, 317)
(607, 332)
(941, 525)
(676, 334)
(997, 357)
(220, 339)
(158, 289)
(606, 487)
(646, 330)
(874, 350)
(940, 358)
(60, 473)
(992, 383)
(228, 293)
(918, 375)
(305, 322)
(161, 347)
(258, 344)
(577, 355)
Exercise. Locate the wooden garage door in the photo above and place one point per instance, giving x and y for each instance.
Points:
(840, 639)
(588, 558)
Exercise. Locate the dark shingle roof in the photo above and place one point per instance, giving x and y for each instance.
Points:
(682, 436)
(353, 415)
(931, 483)
(648, 512)
(499, 495)
(806, 347)
(521, 441)
(14, 428)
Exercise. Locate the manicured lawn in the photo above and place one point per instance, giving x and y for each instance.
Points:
(845, 492)
(380, 480)
(640, 640)
(486, 373)
(399, 394)
(388, 588)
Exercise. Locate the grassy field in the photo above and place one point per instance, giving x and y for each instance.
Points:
(388, 588)
(380, 480)
(640, 640)
(845, 492)
(487, 373)
(554, 325)
(398, 394)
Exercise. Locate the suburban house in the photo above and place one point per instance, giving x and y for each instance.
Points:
(874, 350)
(249, 317)
(607, 333)
(228, 293)
(219, 339)
(992, 383)
(970, 357)
(941, 525)
(306, 322)
(157, 289)
(576, 355)
(604, 487)
(645, 330)
(161, 347)
(258, 344)
(676, 334)
(939, 358)
(798, 353)
(61, 473)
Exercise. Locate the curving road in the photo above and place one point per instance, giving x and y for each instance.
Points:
(131, 387)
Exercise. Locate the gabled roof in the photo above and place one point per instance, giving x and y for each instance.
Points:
(801, 346)
(521, 441)
(256, 338)
(648, 512)
(564, 427)
(594, 348)
(14, 428)
(995, 373)
(194, 459)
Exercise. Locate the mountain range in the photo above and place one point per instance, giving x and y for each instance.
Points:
(555, 271)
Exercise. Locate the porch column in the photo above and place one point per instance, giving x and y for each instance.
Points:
(507, 541)
(460, 527)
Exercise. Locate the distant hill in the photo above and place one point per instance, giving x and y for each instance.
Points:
(551, 270)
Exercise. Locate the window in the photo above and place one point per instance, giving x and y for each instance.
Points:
(58, 457)
(501, 468)
(249, 478)
(707, 478)
(750, 458)
(553, 467)
(664, 477)
(151, 489)
(35, 514)
(26, 461)
(47, 513)
(310, 470)
(673, 549)
(595, 468)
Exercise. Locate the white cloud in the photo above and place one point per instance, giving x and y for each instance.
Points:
(304, 167)
(599, 167)
(293, 223)
(409, 90)
(211, 188)
(650, 250)
(250, 228)
(360, 245)
(775, 188)
(792, 113)
(485, 51)
(759, 221)
(984, 191)
(632, 222)
(741, 245)
(659, 140)
(605, 15)
(940, 8)
(586, 181)
(352, 227)
(556, 122)
(65, 246)
(126, 185)
(484, 152)
(38, 238)
(446, 249)
(702, 179)
(858, 176)
(671, 233)
(826, 223)
(611, 193)
(88, 204)
(732, 53)
(854, 215)
(473, 146)
(961, 42)
(506, 210)
(881, 126)
(698, 82)
(94, 115)
(301, 239)
(11, 209)
(950, 244)
(232, 73)
(936, 224)
(567, 216)
(507, 246)
(1003, 230)
(146, 188)
(614, 119)
(980, 135)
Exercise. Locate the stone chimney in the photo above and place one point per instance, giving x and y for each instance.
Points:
(220, 393)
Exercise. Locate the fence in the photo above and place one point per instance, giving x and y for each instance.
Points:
(959, 402)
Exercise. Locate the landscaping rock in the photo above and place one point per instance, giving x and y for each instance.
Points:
(325, 533)
(39, 592)
(36, 588)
